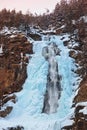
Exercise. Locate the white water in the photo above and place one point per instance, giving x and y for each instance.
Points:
(27, 110)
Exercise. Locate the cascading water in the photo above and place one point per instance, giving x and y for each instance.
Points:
(53, 81)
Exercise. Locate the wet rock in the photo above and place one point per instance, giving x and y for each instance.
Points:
(73, 54)
(66, 43)
(15, 128)
(48, 33)
(5, 112)
(35, 37)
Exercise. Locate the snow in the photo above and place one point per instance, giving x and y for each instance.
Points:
(49, 31)
(81, 104)
(65, 37)
(67, 122)
(84, 110)
(63, 26)
(73, 22)
(7, 31)
(1, 49)
(83, 18)
(27, 111)
(12, 36)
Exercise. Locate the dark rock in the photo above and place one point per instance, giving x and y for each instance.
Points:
(5, 112)
(67, 128)
(35, 37)
(15, 128)
(66, 43)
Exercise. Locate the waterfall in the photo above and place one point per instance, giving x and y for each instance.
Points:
(53, 81)
(43, 72)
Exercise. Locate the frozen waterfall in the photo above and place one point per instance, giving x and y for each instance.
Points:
(43, 71)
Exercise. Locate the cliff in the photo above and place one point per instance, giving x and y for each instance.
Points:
(14, 48)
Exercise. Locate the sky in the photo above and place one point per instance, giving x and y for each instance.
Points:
(34, 6)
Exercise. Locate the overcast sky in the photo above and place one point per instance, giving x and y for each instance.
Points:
(38, 6)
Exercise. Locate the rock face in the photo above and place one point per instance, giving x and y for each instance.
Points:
(82, 94)
(13, 63)
(53, 86)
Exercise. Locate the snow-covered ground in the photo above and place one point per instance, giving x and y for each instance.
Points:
(27, 111)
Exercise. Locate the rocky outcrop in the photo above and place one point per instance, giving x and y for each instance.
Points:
(13, 63)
